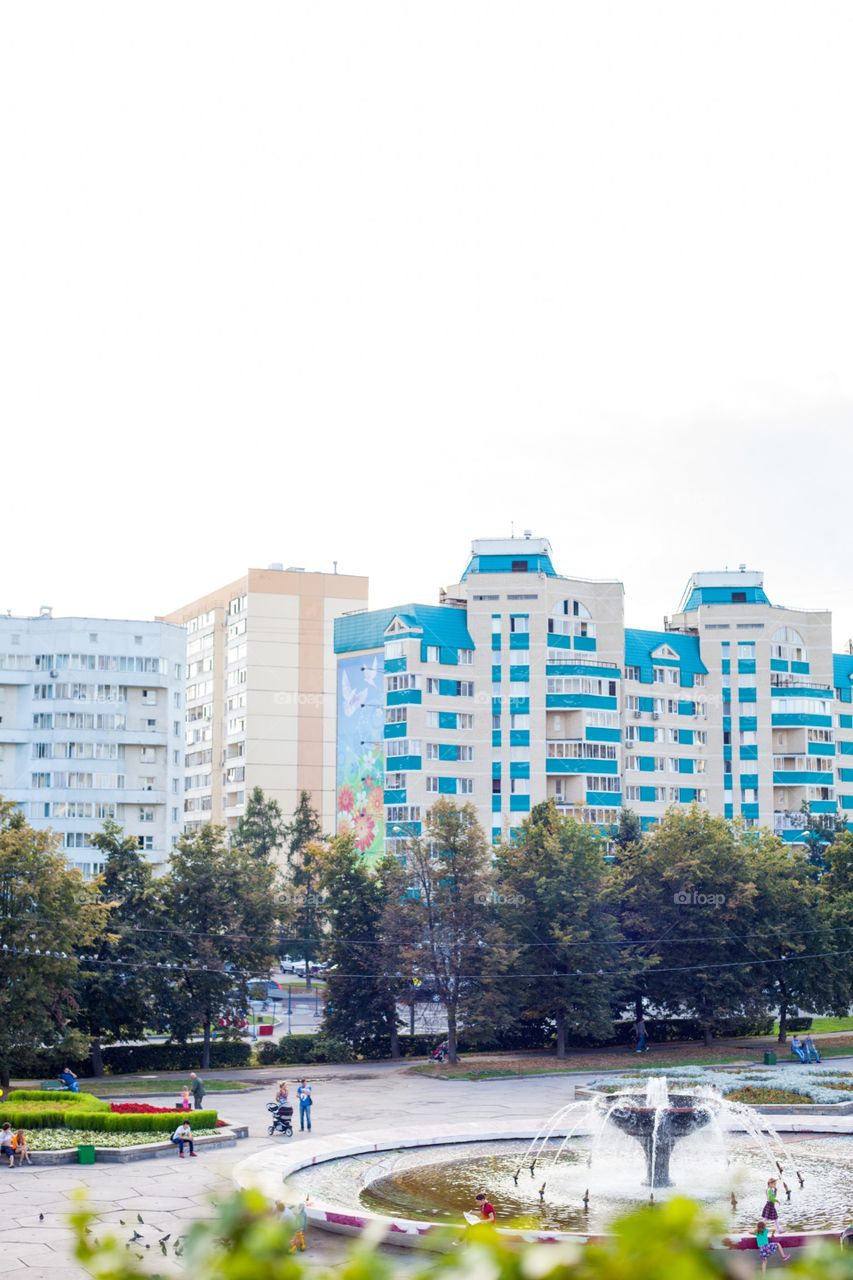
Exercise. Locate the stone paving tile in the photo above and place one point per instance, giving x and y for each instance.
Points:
(38, 1233)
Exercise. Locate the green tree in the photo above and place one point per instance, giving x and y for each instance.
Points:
(220, 904)
(791, 932)
(303, 836)
(836, 905)
(628, 830)
(689, 895)
(820, 832)
(261, 828)
(456, 943)
(551, 881)
(361, 1003)
(115, 998)
(47, 913)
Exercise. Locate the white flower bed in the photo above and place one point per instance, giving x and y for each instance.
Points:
(65, 1139)
(794, 1077)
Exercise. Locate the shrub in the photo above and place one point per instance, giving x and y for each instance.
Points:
(86, 1100)
(96, 1115)
(330, 1049)
(296, 1048)
(268, 1053)
(799, 1024)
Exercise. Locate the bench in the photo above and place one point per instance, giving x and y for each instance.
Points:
(53, 1086)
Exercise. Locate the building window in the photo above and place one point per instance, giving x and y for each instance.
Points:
(465, 786)
(519, 623)
(433, 653)
(466, 657)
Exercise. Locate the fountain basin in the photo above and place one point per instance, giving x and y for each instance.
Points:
(346, 1213)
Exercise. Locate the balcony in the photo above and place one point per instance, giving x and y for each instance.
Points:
(789, 820)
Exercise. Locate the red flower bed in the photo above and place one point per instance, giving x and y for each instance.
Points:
(146, 1109)
(141, 1109)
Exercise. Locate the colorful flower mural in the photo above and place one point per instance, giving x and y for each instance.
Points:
(360, 754)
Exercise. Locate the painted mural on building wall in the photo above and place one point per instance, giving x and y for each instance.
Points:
(360, 755)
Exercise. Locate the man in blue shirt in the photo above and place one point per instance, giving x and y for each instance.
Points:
(303, 1093)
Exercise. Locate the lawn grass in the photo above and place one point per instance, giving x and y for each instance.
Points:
(513, 1066)
(824, 1025)
(129, 1086)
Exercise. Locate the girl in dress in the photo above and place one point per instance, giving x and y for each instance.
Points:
(769, 1211)
(767, 1246)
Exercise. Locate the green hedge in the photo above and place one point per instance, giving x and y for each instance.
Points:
(86, 1100)
(799, 1024)
(120, 1059)
(32, 1116)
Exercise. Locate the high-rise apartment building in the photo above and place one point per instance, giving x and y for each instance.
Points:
(91, 727)
(523, 685)
(260, 691)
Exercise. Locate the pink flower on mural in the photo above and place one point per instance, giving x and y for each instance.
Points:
(346, 799)
(365, 829)
(344, 827)
(376, 802)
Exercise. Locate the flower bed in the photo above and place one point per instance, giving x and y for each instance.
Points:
(68, 1139)
(146, 1109)
(801, 1085)
(33, 1109)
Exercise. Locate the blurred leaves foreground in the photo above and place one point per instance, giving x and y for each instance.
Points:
(246, 1241)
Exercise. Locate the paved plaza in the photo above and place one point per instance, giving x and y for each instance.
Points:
(170, 1194)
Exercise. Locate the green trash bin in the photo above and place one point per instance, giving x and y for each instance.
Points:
(770, 1058)
(85, 1154)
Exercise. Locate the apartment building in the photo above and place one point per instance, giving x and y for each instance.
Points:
(522, 684)
(260, 691)
(92, 727)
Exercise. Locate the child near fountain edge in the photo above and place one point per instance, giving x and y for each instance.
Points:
(765, 1245)
(769, 1211)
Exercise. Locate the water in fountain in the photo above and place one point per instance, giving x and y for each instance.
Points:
(692, 1142)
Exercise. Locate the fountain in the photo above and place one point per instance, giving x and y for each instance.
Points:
(657, 1122)
(590, 1162)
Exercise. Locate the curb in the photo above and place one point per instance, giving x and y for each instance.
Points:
(227, 1137)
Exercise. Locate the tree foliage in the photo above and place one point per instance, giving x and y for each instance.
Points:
(47, 913)
(114, 993)
(261, 829)
(361, 1003)
(220, 913)
(551, 881)
(446, 920)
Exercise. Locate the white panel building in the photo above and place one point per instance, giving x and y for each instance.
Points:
(92, 727)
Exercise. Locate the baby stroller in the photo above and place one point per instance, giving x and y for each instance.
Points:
(282, 1115)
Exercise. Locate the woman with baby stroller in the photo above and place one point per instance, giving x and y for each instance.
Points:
(281, 1112)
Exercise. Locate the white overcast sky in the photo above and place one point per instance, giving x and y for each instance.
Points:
(360, 281)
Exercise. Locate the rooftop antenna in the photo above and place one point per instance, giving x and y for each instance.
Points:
(512, 528)
(335, 563)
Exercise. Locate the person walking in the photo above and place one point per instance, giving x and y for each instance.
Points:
(184, 1135)
(766, 1245)
(197, 1090)
(306, 1102)
(641, 1035)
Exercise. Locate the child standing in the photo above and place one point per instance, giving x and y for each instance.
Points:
(767, 1246)
(769, 1212)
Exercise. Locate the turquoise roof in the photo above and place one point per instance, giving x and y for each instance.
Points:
(504, 564)
(439, 624)
(639, 646)
(724, 595)
(842, 670)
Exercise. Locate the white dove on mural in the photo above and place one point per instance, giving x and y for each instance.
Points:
(371, 672)
(353, 698)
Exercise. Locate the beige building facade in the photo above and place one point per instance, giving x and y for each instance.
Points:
(260, 691)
